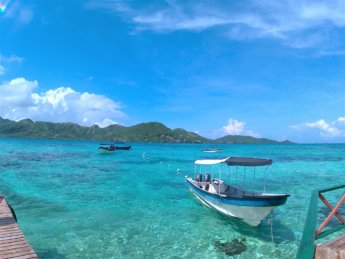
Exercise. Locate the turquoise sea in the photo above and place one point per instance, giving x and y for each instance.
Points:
(72, 202)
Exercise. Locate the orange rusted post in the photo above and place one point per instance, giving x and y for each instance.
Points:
(330, 215)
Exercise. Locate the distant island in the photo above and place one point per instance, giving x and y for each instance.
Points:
(143, 132)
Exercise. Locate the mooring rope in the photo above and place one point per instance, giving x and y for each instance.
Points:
(271, 222)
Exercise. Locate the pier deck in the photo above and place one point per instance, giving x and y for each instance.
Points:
(333, 249)
(312, 232)
(13, 243)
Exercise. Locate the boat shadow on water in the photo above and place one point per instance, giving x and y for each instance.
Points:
(277, 232)
(242, 237)
(50, 253)
(267, 231)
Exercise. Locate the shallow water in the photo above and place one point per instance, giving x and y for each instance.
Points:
(72, 202)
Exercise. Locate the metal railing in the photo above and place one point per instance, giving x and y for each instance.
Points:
(311, 232)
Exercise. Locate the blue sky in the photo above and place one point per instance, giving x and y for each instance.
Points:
(273, 69)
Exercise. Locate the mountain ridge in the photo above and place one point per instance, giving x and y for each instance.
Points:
(142, 132)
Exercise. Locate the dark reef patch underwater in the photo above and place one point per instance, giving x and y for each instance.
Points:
(233, 247)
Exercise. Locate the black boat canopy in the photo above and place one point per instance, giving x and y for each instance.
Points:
(246, 161)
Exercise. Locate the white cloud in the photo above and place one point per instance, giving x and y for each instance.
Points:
(235, 127)
(299, 24)
(11, 59)
(106, 122)
(18, 100)
(327, 130)
(340, 120)
(332, 53)
(165, 21)
(8, 60)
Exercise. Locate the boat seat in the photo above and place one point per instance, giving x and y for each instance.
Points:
(212, 189)
(236, 192)
(220, 187)
(198, 178)
(228, 190)
(207, 178)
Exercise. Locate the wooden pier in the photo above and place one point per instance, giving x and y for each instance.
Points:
(311, 246)
(333, 249)
(13, 243)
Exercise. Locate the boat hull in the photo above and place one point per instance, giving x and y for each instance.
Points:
(251, 211)
(211, 150)
(123, 147)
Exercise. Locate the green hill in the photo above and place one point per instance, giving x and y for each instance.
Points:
(143, 132)
(236, 139)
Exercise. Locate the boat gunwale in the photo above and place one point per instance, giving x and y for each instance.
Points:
(242, 198)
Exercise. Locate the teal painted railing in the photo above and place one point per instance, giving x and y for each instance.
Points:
(311, 232)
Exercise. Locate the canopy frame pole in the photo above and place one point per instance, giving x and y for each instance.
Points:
(228, 174)
(220, 177)
(265, 178)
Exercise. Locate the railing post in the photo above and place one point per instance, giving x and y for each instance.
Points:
(334, 211)
(311, 233)
(323, 199)
(306, 248)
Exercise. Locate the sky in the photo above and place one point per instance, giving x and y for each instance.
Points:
(272, 69)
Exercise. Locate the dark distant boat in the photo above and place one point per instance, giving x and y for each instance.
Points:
(212, 150)
(107, 148)
(251, 207)
(123, 147)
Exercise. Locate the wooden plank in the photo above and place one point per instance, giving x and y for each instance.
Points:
(12, 240)
(333, 249)
(32, 256)
(12, 234)
(13, 243)
(19, 253)
(16, 251)
(3, 231)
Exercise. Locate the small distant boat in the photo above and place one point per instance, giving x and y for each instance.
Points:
(123, 147)
(251, 207)
(212, 150)
(107, 149)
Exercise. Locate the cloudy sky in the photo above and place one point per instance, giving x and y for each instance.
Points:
(273, 69)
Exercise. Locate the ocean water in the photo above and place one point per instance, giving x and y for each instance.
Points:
(72, 202)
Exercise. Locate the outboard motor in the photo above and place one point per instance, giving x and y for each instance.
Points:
(207, 178)
(198, 178)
